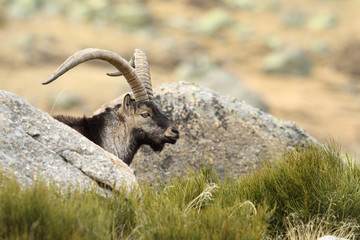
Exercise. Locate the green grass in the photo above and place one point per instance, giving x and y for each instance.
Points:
(301, 194)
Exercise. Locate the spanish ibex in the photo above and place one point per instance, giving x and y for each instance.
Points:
(122, 129)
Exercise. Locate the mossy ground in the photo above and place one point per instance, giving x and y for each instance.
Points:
(301, 194)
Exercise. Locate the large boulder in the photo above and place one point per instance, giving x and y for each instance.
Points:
(226, 133)
(33, 144)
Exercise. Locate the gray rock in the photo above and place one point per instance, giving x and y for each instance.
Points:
(290, 60)
(294, 18)
(273, 5)
(178, 23)
(192, 69)
(25, 42)
(226, 133)
(55, 8)
(35, 49)
(205, 73)
(347, 59)
(245, 31)
(323, 22)
(213, 21)
(320, 47)
(67, 101)
(22, 8)
(228, 84)
(242, 4)
(33, 144)
(79, 12)
(98, 5)
(132, 15)
(275, 43)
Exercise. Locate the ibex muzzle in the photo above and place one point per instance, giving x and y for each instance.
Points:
(122, 129)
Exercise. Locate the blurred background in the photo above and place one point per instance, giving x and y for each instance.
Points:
(297, 59)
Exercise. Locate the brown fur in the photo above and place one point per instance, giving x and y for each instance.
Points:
(121, 130)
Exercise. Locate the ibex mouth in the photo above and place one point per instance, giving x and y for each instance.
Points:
(172, 135)
(171, 139)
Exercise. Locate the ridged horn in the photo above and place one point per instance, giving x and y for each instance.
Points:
(118, 73)
(136, 85)
(142, 69)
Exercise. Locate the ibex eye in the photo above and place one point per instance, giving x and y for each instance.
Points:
(145, 115)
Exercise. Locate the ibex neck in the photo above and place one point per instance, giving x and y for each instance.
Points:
(89, 127)
(116, 139)
(107, 131)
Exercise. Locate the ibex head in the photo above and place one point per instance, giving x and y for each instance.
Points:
(148, 123)
(123, 128)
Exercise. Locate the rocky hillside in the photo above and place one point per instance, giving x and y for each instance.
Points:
(227, 133)
(296, 59)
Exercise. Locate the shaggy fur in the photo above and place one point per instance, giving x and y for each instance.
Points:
(122, 130)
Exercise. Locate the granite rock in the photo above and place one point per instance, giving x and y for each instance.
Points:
(226, 133)
(35, 145)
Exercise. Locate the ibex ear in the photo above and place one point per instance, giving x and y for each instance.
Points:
(128, 105)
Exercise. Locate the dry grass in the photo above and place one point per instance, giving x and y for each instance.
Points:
(305, 194)
(319, 226)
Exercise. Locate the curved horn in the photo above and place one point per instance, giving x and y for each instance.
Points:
(143, 71)
(114, 59)
(141, 66)
(118, 73)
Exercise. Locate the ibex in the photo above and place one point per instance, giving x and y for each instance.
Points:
(122, 129)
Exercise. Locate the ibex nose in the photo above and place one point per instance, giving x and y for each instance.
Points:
(174, 130)
(175, 133)
(172, 134)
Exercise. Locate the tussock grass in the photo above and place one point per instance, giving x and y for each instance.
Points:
(313, 181)
(301, 194)
(42, 212)
(319, 226)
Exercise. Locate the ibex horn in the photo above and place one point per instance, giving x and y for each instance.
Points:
(142, 69)
(136, 85)
(118, 73)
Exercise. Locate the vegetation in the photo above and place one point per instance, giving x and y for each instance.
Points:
(301, 194)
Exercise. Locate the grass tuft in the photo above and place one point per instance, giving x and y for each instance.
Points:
(43, 212)
(303, 193)
(309, 182)
(319, 226)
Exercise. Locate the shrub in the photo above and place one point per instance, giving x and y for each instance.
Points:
(301, 194)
